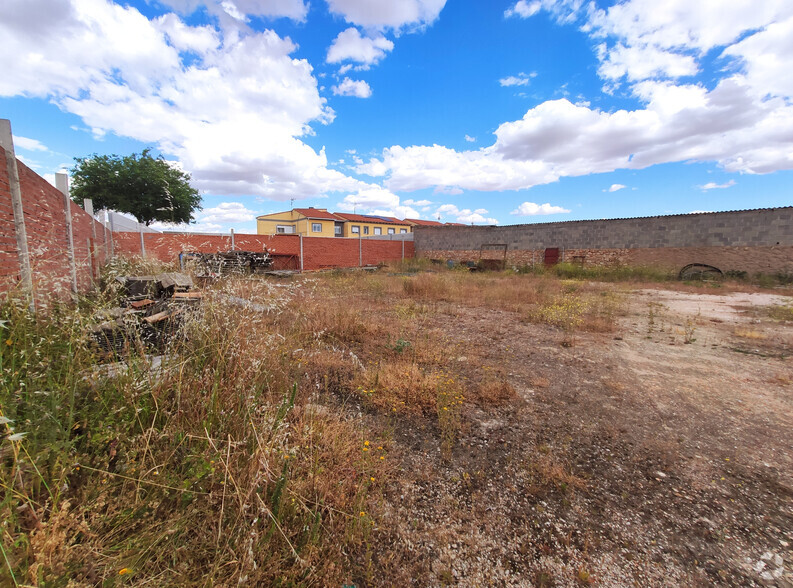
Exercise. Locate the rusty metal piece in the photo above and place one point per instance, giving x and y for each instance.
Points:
(138, 304)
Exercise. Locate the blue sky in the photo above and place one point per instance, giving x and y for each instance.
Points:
(465, 110)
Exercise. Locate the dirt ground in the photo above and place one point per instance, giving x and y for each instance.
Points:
(660, 454)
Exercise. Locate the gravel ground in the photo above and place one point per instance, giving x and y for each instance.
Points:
(633, 458)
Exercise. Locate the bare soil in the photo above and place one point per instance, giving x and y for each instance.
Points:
(660, 454)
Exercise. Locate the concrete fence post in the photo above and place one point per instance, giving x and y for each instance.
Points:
(88, 206)
(109, 218)
(7, 143)
(142, 244)
(232, 239)
(403, 250)
(360, 250)
(62, 183)
(301, 253)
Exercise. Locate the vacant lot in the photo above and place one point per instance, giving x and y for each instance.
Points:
(445, 428)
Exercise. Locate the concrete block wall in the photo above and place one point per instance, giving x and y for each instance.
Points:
(45, 224)
(748, 240)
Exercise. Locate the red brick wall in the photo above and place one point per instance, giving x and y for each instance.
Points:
(318, 252)
(45, 224)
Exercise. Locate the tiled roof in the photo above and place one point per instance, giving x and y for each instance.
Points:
(367, 218)
(315, 213)
(423, 223)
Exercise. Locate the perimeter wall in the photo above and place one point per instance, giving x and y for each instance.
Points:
(45, 224)
(753, 241)
(317, 252)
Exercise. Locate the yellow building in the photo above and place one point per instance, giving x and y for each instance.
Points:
(309, 222)
(318, 222)
(367, 225)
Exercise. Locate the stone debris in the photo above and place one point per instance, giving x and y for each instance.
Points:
(150, 313)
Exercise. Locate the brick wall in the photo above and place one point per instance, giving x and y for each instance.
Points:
(318, 252)
(45, 224)
(749, 240)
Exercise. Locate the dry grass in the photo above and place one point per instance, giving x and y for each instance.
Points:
(243, 462)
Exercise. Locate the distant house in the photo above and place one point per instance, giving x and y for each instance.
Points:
(367, 225)
(309, 222)
(318, 222)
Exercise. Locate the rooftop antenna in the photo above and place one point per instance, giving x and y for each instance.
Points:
(292, 203)
(354, 204)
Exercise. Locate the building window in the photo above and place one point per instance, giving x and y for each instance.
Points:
(337, 230)
(354, 229)
(402, 231)
(391, 231)
(366, 230)
(284, 229)
(316, 227)
(378, 231)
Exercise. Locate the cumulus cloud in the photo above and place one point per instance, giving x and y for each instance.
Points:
(417, 202)
(523, 9)
(349, 45)
(376, 200)
(227, 213)
(466, 215)
(240, 9)
(532, 209)
(715, 186)
(470, 139)
(616, 187)
(28, 144)
(357, 88)
(382, 14)
(743, 121)
(231, 104)
(521, 79)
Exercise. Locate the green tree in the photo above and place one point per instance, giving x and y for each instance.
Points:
(150, 189)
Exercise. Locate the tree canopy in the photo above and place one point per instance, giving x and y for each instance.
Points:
(150, 189)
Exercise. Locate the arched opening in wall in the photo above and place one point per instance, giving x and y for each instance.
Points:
(551, 256)
(700, 271)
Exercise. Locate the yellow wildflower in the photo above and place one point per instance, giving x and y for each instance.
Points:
(124, 571)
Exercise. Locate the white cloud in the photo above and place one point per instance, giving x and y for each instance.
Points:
(357, 88)
(644, 62)
(376, 200)
(523, 9)
(28, 144)
(470, 139)
(349, 45)
(238, 9)
(465, 215)
(714, 185)
(646, 40)
(227, 213)
(616, 187)
(417, 167)
(417, 202)
(382, 14)
(731, 124)
(521, 79)
(231, 104)
(532, 209)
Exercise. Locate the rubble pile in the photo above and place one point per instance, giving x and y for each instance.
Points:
(150, 313)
